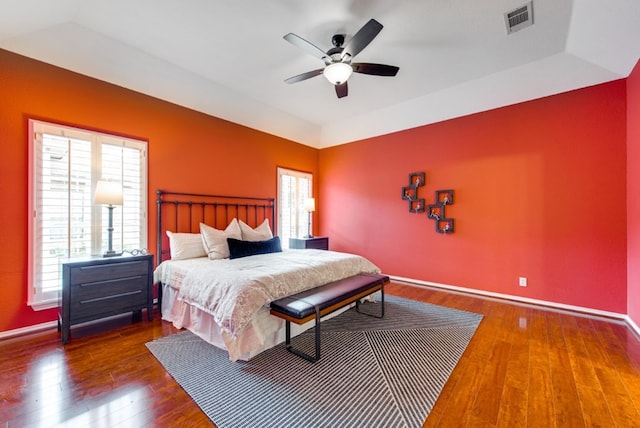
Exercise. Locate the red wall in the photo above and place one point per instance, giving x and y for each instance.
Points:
(188, 151)
(633, 194)
(539, 193)
(539, 186)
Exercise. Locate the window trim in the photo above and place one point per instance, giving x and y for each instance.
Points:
(36, 126)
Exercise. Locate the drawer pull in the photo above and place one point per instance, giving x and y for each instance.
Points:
(103, 266)
(129, 278)
(114, 296)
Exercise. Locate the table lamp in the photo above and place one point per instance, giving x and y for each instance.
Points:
(309, 207)
(109, 193)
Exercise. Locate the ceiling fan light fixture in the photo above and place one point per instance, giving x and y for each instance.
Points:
(338, 72)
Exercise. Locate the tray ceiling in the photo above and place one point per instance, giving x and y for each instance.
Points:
(228, 58)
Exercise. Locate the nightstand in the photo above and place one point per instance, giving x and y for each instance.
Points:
(100, 287)
(317, 242)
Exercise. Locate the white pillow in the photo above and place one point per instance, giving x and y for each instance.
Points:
(215, 240)
(185, 245)
(260, 233)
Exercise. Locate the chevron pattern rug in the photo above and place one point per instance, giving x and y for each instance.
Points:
(373, 372)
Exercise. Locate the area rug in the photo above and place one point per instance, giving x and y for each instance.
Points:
(372, 372)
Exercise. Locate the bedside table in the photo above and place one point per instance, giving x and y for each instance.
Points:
(100, 287)
(317, 242)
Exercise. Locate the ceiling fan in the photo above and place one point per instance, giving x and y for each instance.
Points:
(338, 66)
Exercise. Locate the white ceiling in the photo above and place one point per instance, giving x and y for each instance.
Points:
(227, 58)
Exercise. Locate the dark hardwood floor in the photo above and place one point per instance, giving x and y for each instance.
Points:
(525, 366)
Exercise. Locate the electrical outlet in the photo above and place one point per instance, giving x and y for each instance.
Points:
(522, 281)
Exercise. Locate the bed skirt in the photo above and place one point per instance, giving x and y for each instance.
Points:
(265, 331)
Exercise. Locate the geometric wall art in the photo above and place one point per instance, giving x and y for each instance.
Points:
(435, 211)
(410, 192)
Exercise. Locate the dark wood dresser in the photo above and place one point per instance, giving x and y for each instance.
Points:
(316, 242)
(99, 287)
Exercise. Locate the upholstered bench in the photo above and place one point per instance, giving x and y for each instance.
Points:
(320, 301)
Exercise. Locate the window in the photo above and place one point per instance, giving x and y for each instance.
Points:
(66, 164)
(293, 188)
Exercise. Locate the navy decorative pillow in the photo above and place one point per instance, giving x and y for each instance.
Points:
(238, 248)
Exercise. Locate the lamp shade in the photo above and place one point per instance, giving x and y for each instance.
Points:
(309, 205)
(337, 73)
(108, 193)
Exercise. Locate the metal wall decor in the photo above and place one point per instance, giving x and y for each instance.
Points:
(410, 192)
(435, 211)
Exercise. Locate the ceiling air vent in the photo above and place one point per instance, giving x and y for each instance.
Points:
(519, 18)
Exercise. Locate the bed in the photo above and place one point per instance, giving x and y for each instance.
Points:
(220, 264)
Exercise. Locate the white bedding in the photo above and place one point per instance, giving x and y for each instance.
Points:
(234, 294)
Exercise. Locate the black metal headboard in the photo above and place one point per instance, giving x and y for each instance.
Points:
(183, 212)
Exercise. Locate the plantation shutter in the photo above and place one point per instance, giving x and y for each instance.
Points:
(66, 165)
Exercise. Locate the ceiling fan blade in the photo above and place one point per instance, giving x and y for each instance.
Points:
(362, 38)
(375, 69)
(342, 90)
(304, 76)
(305, 45)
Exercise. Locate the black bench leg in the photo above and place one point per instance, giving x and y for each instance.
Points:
(304, 355)
(381, 306)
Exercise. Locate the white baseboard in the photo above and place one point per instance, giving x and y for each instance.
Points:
(558, 306)
(578, 309)
(632, 324)
(28, 330)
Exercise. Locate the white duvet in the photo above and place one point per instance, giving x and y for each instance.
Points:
(233, 290)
